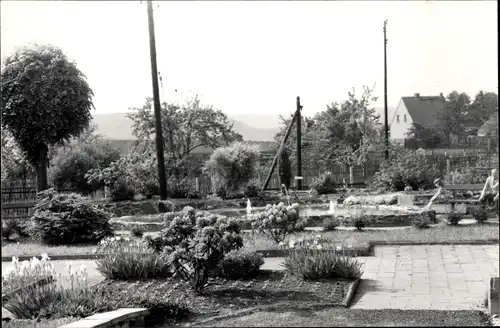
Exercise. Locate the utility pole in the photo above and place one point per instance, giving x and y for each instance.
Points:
(386, 118)
(299, 145)
(156, 97)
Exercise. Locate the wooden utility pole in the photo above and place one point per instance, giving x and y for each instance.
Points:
(299, 145)
(156, 100)
(386, 118)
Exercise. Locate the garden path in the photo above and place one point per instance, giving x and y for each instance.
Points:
(447, 277)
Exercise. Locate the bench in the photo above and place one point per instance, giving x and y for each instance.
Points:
(124, 317)
(455, 189)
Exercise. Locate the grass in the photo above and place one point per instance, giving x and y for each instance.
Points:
(442, 233)
(21, 323)
(342, 317)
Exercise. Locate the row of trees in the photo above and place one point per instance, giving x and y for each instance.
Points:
(462, 116)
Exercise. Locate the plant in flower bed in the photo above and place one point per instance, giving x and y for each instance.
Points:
(130, 260)
(195, 245)
(63, 219)
(358, 221)
(241, 264)
(330, 223)
(479, 213)
(453, 217)
(314, 259)
(278, 221)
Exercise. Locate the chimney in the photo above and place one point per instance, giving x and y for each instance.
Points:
(417, 96)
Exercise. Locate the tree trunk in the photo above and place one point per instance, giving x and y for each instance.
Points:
(41, 172)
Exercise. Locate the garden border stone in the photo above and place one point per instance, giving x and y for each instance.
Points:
(123, 317)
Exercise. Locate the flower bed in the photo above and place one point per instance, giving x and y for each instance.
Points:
(225, 297)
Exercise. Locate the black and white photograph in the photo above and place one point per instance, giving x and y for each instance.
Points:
(249, 163)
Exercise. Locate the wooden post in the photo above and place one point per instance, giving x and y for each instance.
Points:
(197, 184)
(299, 145)
(275, 160)
(448, 166)
(351, 175)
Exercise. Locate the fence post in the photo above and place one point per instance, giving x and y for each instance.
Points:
(351, 175)
(197, 184)
(448, 166)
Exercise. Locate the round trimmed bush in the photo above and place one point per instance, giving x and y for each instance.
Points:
(63, 219)
(241, 264)
(330, 223)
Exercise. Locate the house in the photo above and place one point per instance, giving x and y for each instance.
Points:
(417, 109)
(490, 127)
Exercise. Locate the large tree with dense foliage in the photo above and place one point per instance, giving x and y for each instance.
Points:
(46, 100)
(344, 133)
(185, 128)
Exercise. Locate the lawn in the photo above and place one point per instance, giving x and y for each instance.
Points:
(43, 323)
(442, 233)
(342, 317)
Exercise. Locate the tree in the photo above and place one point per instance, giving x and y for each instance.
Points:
(46, 100)
(342, 133)
(14, 164)
(71, 163)
(427, 137)
(185, 128)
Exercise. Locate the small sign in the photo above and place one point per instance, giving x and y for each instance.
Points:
(299, 178)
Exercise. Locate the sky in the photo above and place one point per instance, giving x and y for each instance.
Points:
(257, 57)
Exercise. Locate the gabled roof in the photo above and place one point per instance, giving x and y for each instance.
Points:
(489, 127)
(423, 110)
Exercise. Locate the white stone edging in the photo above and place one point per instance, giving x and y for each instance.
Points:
(124, 317)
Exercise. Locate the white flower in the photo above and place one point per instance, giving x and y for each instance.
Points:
(318, 236)
(45, 257)
(94, 250)
(282, 244)
(291, 243)
(319, 246)
(83, 268)
(118, 238)
(349, 246)
(15, 259)
(69, 266)
(338, 248)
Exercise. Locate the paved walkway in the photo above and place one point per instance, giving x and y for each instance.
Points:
(403, 277)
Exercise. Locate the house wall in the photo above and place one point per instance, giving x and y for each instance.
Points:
(399, 129)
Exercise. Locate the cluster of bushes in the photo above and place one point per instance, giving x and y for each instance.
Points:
(405, 169)
(61, 219)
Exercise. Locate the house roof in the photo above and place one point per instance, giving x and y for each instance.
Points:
(489, 126)
(423, 109)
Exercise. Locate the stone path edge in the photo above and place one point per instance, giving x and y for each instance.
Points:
(361, 250)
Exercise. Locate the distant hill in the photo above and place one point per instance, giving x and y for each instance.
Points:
(118, 126)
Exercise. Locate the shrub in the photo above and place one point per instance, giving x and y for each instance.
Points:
(480, 214)
(358, 221)
(121, 190)
(72, 163)
(252, 189)
(13, 229)
(407, 168)
(231, 168)
(241, 264)
(311, 259)
(196, 249)
(324, 184)
(454, 217)
(285, 169)
(278, 221)
(137, 231)
(330, 223)
(467, 175)
(68, 219)
(182, 188)
(125, 260)
(372, 200)
(420, 221)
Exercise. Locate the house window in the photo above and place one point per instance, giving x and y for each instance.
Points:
(404, 117)
(397, 118)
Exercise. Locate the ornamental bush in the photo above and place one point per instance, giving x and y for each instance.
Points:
(195, 245)
(278, 221)
(241, 264)
(231, 168)
(324, 184)
(63, 219)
